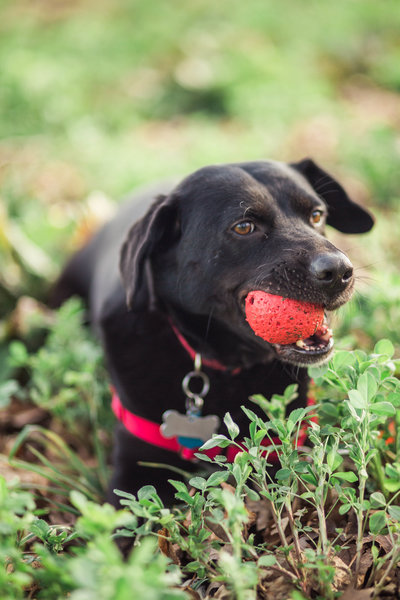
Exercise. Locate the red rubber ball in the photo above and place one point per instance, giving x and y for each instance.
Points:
(280, 320)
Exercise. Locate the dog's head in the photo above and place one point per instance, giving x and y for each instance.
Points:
(228, 229)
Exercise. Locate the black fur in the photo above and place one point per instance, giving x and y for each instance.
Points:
(179, 259)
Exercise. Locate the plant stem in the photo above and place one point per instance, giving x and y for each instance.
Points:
(322, 527)
(283, 539)
(394, 559)
(293, 528)
(361, 487)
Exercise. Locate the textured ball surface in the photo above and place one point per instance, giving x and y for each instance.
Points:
(280, 320)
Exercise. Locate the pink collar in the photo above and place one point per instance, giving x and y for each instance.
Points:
(149, 432)
(211, 363)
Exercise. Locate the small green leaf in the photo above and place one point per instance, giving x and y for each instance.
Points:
(260, 435)
(367, 386)
(393, 471)
(296, 595)
(146, 492)
(317, 373)
(283, 474)
(296, 415)
(392, 485)
(372, 385)
(344, 508)
(217, 440)
(309, 478)
(252, 429)
(193, 566)
(357, 400)
(184, 496)
(18, 354)
(383, 409)
(217, 478)
(394, 398)
(291, 392)
(180, 486)
(330, 409)
(198, 482)
(233, 429)
(203, 457)
(301, 467)
(333, 459)
(384, 347)
(249, 413)
(377, 522)
(342, 359)
(266, 560)
(251, 494)
(40, 528)
(7, 389)
(352, 411)
(394, 512)
(347, 476)
(377, 500)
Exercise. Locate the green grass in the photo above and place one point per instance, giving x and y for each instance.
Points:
(110, 96)
(352, 468)
(98, 98)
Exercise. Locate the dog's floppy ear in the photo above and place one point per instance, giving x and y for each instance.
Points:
(344, 214)
(155, 231)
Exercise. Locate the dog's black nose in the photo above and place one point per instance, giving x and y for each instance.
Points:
(332, 269)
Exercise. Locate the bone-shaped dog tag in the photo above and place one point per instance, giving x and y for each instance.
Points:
(191, 431)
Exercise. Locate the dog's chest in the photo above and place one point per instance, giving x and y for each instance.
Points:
(148, 365)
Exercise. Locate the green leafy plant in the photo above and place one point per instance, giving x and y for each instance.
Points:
(60, 465)
(66, 378)
(67, 375)
(329, 476)
(34, 555)
(345, 476)
(16, 515)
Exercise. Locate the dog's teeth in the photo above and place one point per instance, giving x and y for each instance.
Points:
(301, 344)
(326, 334)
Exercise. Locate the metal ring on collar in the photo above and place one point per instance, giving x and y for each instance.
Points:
(186, 384)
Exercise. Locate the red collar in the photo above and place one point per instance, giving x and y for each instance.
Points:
(149, 432)
(211, 363)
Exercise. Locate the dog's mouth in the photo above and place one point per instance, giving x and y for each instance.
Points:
(311, 350)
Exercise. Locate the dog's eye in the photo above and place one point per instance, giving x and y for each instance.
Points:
(244, 227)
(316, 217)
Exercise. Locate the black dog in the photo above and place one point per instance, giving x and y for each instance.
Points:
(169, 284)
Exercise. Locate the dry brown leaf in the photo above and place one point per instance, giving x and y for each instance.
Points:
(385, 542)
(192, 593)
(262, 510)
(29, 416)
(342, 577)
(353, 594)
(278, 589)
(284, 524)
(366, 561)
(218, 532)
(27, 477)
(222, 593)
(228, 486)
(26, 315)
(166, 547)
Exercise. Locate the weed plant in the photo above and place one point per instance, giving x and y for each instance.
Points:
(340, 493)
(67, 379)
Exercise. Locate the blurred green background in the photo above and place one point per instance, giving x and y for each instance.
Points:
(97, 97)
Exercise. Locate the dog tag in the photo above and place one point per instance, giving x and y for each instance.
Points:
(192, 431)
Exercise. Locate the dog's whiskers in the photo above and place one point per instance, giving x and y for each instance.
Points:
(209, 323)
